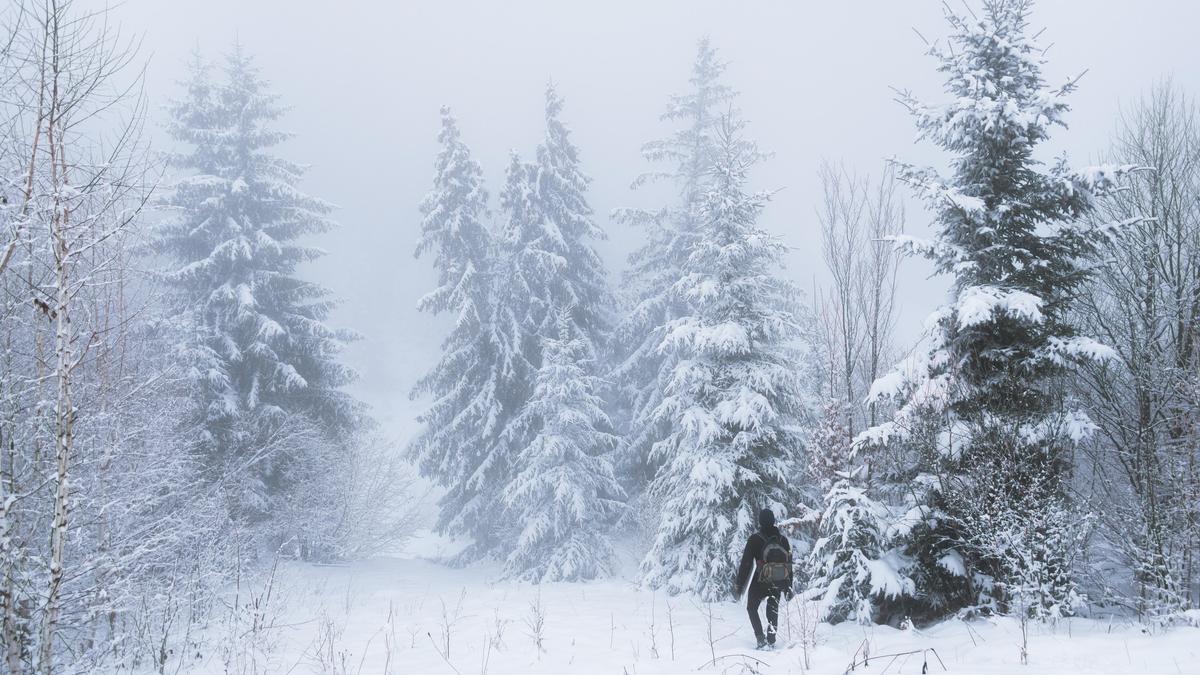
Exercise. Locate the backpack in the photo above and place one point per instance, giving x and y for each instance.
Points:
(775, 568)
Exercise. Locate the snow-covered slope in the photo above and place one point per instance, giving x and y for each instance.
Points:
(413, 616)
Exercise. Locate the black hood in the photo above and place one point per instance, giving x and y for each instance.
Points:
(766, 520)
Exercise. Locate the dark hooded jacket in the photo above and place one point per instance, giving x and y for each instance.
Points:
(753, 554)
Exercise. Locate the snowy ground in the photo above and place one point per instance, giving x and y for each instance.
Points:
(406, 615)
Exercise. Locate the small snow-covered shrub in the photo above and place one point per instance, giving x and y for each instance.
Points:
(356, 499)
(852, 564)
(1025, 543)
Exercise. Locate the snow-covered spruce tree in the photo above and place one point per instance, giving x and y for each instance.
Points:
(851, 564)
(260, 352)
(468, 411)
(547, 258)
(549, 241)
(549, 261)
(564, 495)
(732, 400)
(656, 267)
(1015, 239)
(544, 259)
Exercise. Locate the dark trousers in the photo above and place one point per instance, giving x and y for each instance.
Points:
(753, 599)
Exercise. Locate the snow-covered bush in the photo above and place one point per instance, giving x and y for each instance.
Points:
(852, 564)
(354, 499)
(1024, 546)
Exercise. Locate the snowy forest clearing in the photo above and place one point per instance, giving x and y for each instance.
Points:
(396, 615)
(192, 477)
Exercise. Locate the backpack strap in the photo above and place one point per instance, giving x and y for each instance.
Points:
(761, 558)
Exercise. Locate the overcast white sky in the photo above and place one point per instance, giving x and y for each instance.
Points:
(365, 79)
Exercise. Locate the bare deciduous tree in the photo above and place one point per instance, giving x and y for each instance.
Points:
(1145, 304)
(856, 312)
(72, 136)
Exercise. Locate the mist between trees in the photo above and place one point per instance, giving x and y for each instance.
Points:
(174, 415)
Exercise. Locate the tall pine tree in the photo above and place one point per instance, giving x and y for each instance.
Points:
(548, 241)
(1014, 237)
(258, 346)
(481, 428)
(551, 273)
(469, 384)
(656, 267)
(732, 400)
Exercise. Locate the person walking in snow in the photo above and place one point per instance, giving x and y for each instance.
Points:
(767, 566)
